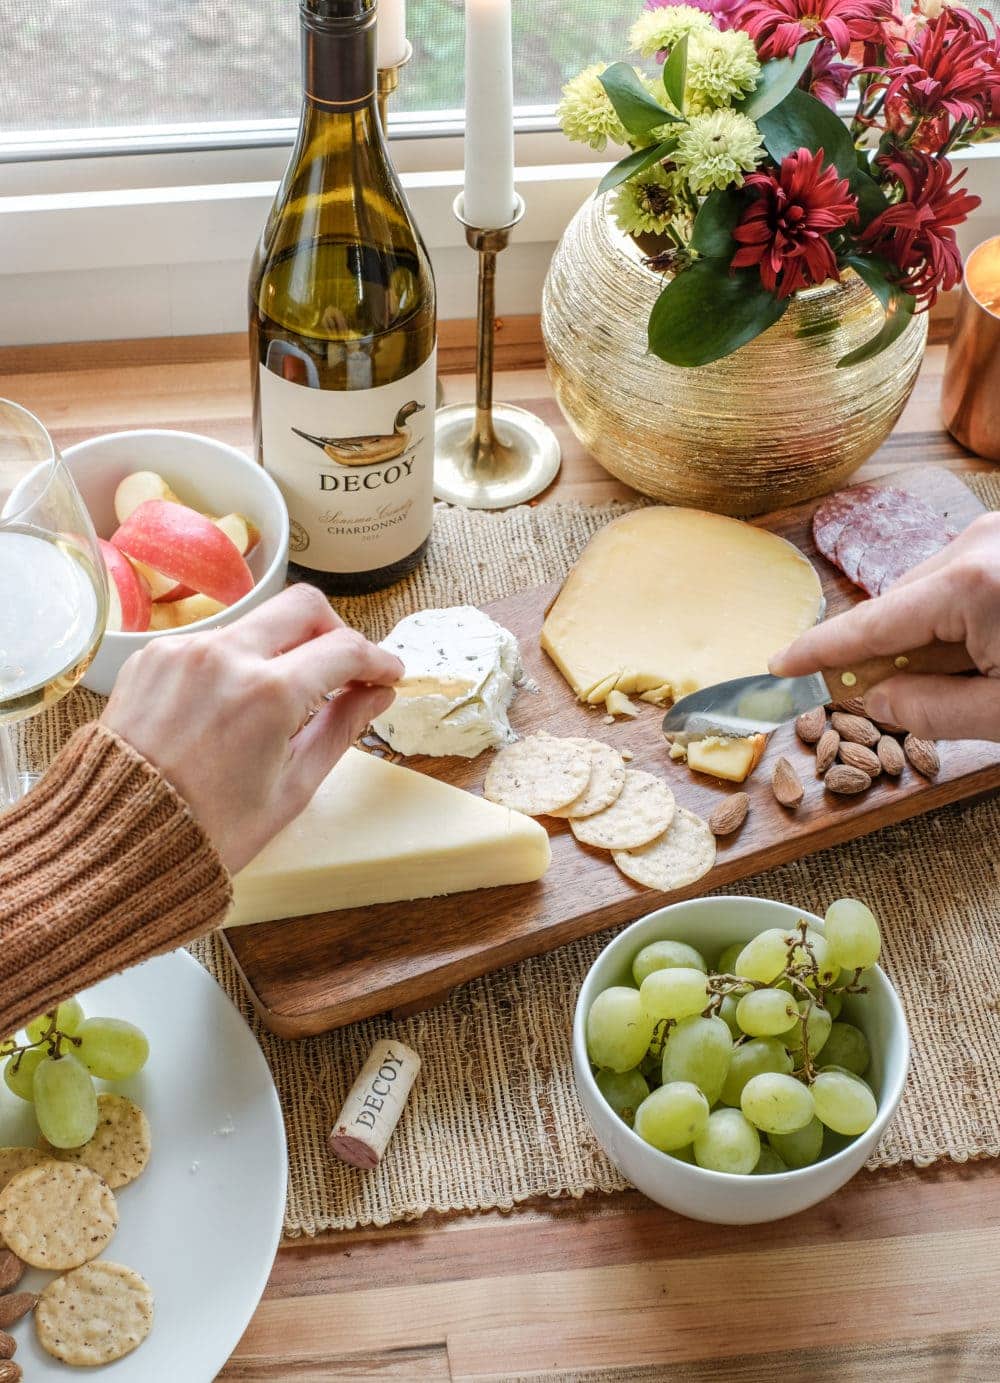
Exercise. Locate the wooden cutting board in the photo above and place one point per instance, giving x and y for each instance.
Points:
(309, 974)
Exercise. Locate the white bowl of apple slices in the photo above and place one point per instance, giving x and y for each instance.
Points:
(193, 535)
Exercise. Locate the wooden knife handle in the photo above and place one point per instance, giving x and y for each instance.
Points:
(862, 676)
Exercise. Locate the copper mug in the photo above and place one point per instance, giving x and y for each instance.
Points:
(970, 396)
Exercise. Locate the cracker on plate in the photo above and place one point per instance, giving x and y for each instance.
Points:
(120, 1147)
(537, 774)
(643, 810)
(57, 1215)
(607, 778)
(681, 855)
(95, 1314)
(14, 1160)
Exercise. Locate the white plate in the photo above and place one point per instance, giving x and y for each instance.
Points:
(202, 1223)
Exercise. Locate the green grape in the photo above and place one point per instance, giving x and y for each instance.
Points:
(727, 1012)
(768, 1163)
(665, 955)
(111, 1049)
(618, 1029)
(827, 968)
(69, 1016)
(852, 934)
(675, 993)
(730, 1143)
(624, 1092)
(726, 964)
(847, 1047)
(764, 957)
(843, 1102)
(698, 1050)
(65, 1101)
(673, 1116)
(776, 1103)
(801, 1148)
(843, 1071)
(766, 1013)
(751, 1059)
(834, 1003)
(819, 1026)
(683, 1154)
(19, 1073)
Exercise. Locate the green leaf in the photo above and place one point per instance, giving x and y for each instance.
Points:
(634, 106)
(712, 235)
(635, 163)
(802, 122)
(675, 73)
(706, 313)
(872, 201)
(898, 306)
(777, 78)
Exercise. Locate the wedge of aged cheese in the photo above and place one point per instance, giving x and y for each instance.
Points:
(665, 601)
(731, 759)
(377, 832)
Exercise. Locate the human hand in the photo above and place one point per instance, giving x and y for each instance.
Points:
(226, 715)
(953, 597)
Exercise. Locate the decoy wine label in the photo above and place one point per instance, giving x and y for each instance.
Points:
(342, 328)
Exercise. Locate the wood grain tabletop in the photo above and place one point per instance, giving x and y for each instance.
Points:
(896, 1278)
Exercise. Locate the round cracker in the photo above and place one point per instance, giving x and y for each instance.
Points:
(57, 1215)
(642, 811)
(538, 774)
(682, 854)
(15, 1160)
(120, 1147)
(607, 778)
(94, 1315)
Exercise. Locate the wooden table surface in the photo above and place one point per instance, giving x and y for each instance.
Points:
(897, 1277)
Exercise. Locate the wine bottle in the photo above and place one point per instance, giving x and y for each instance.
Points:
(342, 328)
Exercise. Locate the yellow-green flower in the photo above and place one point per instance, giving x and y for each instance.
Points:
(721, 68)
(658, 29)
(650, 203)
(716, 149)
(585, 113)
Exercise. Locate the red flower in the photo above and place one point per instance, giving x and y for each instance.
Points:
(784, 230)
(826, 78)
(950, 67)
(777, 27)
(916, 235)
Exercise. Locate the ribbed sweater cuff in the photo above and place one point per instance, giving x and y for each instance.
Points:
(101, 865)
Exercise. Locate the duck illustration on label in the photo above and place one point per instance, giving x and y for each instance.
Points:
(371, 449)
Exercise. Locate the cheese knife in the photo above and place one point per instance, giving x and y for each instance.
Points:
(758, 705)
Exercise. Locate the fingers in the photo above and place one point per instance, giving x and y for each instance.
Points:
(297, 615)
(319, 744)
(944, 708)
(906, 617)
(336, 659)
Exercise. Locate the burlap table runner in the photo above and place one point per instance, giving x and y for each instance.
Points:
(494, 1118)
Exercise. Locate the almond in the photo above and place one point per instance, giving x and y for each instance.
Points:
(786, 784)
(855, 729)
(11, 1270)
(891, 756)
(729, 815)
(847, 781)
(923, 755)
(13, 1307)
(10, 1372)
(811, 724)
(8, 1345)
(859, 757)
(852, 705)
(826, 750)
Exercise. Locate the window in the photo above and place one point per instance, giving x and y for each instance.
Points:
(94, 64)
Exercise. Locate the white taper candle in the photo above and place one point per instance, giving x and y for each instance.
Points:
(390, 32)
(489, 114)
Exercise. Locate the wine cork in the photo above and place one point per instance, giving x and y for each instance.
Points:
(374, 1104)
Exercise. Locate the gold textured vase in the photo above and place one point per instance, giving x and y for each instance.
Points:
(774, 423)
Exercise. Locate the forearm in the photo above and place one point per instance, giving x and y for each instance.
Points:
(101, 865)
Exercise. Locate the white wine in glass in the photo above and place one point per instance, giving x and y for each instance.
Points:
(53, 586)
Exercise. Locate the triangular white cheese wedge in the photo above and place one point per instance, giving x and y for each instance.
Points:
(376, 832)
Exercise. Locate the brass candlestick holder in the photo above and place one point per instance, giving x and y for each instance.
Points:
(388, 82)
(487, 455)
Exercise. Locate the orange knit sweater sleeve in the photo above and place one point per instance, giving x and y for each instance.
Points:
(101, 865)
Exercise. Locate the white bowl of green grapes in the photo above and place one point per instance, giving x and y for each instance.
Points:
(739, 1059)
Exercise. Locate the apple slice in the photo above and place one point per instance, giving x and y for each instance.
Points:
(160, 587)
(129, 603)
(136, 488)
(183, 544)
(239, 530)
(174, 614)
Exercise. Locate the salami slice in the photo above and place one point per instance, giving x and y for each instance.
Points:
(875, 535)
(883, 565)
(834, 513)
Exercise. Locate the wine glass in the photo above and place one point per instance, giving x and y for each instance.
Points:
(53, 585)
